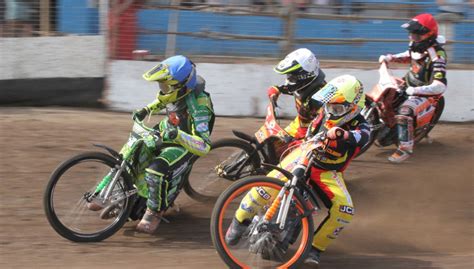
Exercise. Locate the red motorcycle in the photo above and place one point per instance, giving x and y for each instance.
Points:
(242, 156)
(383, 100)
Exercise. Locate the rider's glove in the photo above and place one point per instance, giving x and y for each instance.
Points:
(385, 58)
(410, 90)
(337, 133)
(152, 140)
(273, 94)
(140, 114)
(169, 131)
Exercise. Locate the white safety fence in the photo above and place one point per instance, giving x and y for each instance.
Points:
(240, 89)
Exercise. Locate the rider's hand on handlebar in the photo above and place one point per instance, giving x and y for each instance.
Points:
(273, 94)
(140, 114)
(337, 133)
(410, 90)
(385, 58)
(152, 140)
(169, 132)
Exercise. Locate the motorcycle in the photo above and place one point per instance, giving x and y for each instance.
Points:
(235, 158)
(113, 180)
(381, 104)
(280, 234)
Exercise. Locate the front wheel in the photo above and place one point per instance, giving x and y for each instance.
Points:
(263, 244)
(70, 187)
(228, 160)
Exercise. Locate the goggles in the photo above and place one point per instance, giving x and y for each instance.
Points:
(166, 87)
(166, 82)
(292, 78)
(336, 109)
(415, 37)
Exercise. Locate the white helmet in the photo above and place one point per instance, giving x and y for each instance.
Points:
(301, 67)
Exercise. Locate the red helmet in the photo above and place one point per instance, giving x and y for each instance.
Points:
(426, 28)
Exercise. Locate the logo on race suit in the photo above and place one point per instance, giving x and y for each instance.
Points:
(346, 209)
(246, 207)
(438, 75)
(343, 221)
(202, 127)
(337, 231)
(263, 193)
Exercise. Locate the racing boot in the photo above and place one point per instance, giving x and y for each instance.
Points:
(314, 256)
(405, 138)
(150, 221)
(399, 156)
(235, 231)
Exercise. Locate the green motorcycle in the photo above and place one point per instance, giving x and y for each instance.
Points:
(115, 181)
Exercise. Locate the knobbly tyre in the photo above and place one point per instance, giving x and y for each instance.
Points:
(381, 104)
(235, 158)
(114, 180)
(280, 235)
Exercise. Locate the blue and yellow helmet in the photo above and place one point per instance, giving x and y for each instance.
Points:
(176, 77)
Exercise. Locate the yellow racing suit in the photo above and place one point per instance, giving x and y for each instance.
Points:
(326, 177)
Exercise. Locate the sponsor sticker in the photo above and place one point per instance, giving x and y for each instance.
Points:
(337, 231)
(438, 75)
(263, 193)
(202, 127)
(346, 209)
(245, 207)
(343, 221)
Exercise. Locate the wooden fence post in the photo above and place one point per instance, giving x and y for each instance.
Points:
(289, 17)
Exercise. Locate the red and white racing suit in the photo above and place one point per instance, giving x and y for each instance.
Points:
(426, 77)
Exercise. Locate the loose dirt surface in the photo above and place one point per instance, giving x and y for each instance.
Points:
(415, 215)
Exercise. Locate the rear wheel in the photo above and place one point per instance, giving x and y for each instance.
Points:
(67, 193)
(262, 245)
(373, 120)
(420, 134)
(228, 160)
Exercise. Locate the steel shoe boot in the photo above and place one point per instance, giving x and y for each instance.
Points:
(399, 156)
(314, 256)
(150, 221)
(234, 232)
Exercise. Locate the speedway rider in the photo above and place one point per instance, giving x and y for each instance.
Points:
(343, 99)
(427, 76)
(303, 79)
(182, 94)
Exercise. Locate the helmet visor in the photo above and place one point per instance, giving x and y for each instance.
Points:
(415, 27)
(336, 109)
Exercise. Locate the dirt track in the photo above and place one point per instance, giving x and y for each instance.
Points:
(416, 215)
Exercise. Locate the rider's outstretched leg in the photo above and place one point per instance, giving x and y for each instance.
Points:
(405, 135)
(337, 199)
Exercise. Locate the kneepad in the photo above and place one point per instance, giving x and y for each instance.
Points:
(405, 111)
